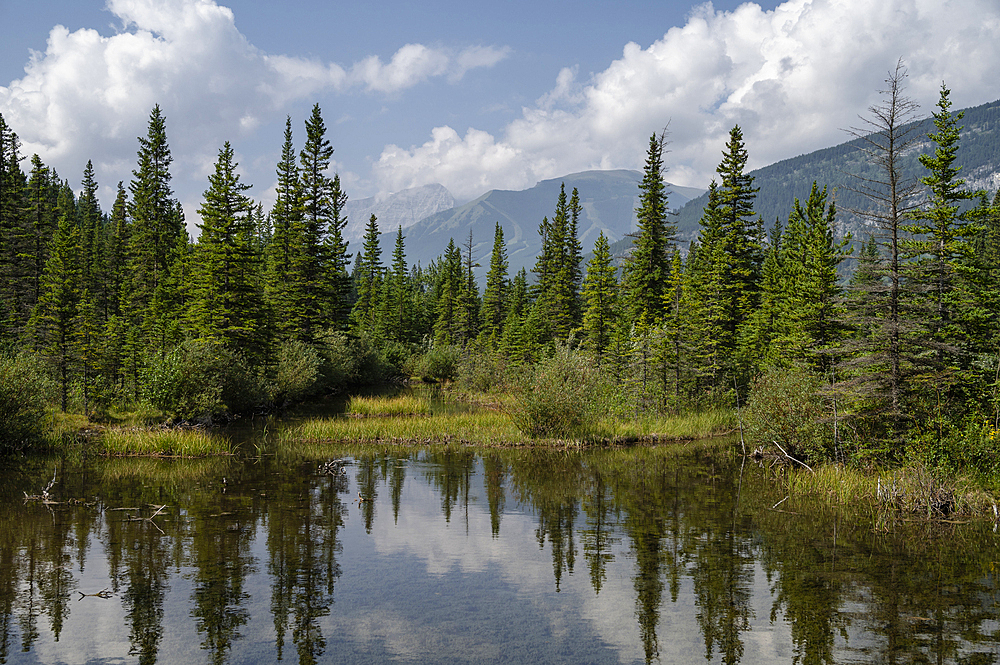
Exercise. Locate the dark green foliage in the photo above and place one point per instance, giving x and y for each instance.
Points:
(368, 277)
(202, 380)
(24, 390)
(645, 272)
(786, 410)
(497, 295)
(227, 304)
(600, 296)
(438, 363)
(297, 373)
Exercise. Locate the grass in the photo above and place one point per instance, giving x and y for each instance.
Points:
(379, 406)
(488, 428)
(910, 490)
(694, 425)
(177, 442)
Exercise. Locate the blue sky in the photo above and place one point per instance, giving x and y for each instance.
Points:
(474, 96)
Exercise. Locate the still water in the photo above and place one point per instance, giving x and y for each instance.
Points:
(670, 555)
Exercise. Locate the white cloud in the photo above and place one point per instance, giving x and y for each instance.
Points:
(792, 78)
(89, 96)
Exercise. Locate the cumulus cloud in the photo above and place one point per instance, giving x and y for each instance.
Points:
(792, 78)
(90, 95)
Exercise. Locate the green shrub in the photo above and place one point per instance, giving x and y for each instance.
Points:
(24, 389)
(339, 360)
(298, 372)
(785, 408)
(202, 380)
(439, 363)
(559, 397)
(485, 371)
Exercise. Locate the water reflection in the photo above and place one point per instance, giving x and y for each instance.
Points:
(449, 555)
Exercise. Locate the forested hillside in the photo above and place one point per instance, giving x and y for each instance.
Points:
(782, 182)
(120, 309)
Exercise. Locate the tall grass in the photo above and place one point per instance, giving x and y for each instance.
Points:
(483, 428)
(179, 442)
(911, 490)
(399, 405)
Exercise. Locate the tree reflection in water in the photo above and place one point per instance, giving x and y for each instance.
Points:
(678, 536)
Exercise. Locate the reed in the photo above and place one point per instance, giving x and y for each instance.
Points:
(482, 427)
(385, 407)
(693, 425)
(911, 490)
(179, 442)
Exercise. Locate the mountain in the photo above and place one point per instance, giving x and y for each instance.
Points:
(404, 208)
(608, 198)
(782, 182)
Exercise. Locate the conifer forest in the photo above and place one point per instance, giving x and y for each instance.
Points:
(830, 347)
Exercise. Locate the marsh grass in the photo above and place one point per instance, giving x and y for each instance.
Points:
(913, 490)
(488, 428)
(177, 442)
(385, 407)
(492, 427)
(695, 425)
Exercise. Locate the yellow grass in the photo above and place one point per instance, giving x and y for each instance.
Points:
(180, 442)
(399, 405)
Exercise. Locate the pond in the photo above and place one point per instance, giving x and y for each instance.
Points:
(343, 554)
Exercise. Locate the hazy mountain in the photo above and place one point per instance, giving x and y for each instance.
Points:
(609, 199)
(404, 208)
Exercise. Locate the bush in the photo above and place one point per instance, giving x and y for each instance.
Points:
(785, 407)
(485, 371)
(24, 389)
(439, 363)
(298, 372)
(559, 397)
(202, 380)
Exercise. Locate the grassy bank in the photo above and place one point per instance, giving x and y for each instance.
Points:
(909, 492)
(490, 426)
(163, 442)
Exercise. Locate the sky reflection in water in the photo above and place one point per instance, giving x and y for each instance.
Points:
(460, 557)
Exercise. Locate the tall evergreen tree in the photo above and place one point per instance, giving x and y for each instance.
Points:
(56, 315)
(600, 293)
(497, 293)
(885, 361)
(368, 279)
(157, 227)
(319, 283)
(227, 304)
(645, 272)
(286, 216)
(942, 231)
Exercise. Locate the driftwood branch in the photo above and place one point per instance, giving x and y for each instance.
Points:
(792, 458)
(103, 593)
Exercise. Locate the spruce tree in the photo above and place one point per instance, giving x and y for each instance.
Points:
(496, 295)
(645, 271)
(883, 364)
(56, 315)
(286, 216)
(368, 279)
(397, 320)
(157, 227)
(600, 294)
(319, 285)
(942, 230)
(227, 304)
